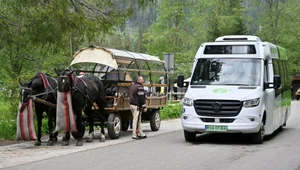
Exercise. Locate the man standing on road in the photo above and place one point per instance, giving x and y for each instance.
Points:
(137, 106)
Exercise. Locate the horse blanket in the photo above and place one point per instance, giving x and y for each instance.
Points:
(65, 120)
(25, 122)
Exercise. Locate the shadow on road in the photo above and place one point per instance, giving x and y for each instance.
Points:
(233, 138)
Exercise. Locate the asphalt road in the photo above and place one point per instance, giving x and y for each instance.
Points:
(168, 150)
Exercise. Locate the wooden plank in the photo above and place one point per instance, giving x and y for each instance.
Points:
(145, 85)
(43, 102)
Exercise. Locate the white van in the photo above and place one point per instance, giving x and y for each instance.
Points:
(239, 84)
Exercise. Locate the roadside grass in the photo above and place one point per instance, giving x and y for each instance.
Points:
(8, 121)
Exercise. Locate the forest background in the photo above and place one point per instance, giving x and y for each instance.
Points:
(40, 35)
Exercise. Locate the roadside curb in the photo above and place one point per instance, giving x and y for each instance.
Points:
(26, 152)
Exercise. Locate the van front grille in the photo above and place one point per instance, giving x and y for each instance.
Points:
(219, 108)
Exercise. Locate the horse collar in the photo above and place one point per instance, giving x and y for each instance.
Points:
(44, 80)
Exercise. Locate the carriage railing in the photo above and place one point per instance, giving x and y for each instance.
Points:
(120, 101)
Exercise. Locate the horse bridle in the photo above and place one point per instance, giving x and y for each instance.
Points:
(22, 93)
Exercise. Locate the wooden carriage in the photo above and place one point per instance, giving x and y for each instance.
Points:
(118, 70)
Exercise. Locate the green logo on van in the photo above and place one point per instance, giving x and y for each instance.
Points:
(220, 90)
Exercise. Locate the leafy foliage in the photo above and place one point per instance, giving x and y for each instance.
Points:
(171, 110)
(40, 35)
(181, 27)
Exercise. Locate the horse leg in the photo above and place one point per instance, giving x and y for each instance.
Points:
(66, 139)
(101, 106)
(52, 136)
(89, 113)
(39, 115)
(102, 134)
(78, 113)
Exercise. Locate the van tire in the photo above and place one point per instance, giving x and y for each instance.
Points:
(258, 137)
(189, 136)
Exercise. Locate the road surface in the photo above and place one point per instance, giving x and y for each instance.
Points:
(166, 149)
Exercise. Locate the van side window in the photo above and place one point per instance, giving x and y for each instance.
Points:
(266, 73)
(276, 66)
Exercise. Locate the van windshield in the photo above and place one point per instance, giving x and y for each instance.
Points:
(227, 71)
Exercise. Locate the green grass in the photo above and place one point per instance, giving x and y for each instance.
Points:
(8, 123)
(171, 110)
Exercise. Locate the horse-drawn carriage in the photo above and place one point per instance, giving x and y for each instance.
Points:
(117, 70)
(103, 95)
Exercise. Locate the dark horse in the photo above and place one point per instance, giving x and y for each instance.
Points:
(43, 87)
(84, 92)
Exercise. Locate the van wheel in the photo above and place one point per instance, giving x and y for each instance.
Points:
(258, 138)
(189, 136)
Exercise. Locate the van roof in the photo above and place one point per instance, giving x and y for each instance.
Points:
(238, 38)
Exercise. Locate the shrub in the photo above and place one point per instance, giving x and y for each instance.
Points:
(8, 121)
(171, 110)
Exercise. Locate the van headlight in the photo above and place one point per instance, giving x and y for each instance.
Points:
(187, 102)
(252, 102)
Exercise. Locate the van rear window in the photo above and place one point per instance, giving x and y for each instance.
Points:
(230, 49)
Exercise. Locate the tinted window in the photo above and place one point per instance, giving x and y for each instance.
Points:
(230, 49)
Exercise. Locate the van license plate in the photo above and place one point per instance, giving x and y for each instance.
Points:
(216, 128)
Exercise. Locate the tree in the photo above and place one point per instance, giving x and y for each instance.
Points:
(277, 23)
(182, 26)
(170, 33)
(39, 35)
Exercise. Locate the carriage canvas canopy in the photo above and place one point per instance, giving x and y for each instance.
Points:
(110, 57)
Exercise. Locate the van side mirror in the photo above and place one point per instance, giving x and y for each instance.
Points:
(277, 81)
(180, 80)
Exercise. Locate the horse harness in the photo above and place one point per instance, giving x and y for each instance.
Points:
(47, 86)
(75, 88)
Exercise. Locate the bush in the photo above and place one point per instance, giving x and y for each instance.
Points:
(171, 110)
(8, 121)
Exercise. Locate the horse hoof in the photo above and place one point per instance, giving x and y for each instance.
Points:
(65, 143)
(90, 137)
(50, 143)
(88, 140)
(37, 143)
(102, 138)
(79, 143)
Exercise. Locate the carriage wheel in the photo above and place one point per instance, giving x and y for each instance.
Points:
(114, 126)
(155, 120)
